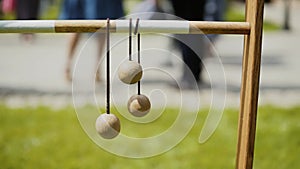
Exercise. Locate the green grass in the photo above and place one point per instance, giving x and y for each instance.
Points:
(45, 138)
(236, 16)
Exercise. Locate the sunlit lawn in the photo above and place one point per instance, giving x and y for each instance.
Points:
(53, 139)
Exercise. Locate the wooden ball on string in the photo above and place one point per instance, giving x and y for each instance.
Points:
(130, 72)
(108, 126)
(139, 105)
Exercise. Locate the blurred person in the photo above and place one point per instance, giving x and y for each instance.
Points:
(214, 11)
(1, 11)
(156, 10)
(7, 7)
(190, 10)
(27, 10)
(151, 9)
(89, 9)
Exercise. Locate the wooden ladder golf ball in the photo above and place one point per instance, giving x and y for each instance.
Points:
(130, 72)
(108, 126)
(139, 105)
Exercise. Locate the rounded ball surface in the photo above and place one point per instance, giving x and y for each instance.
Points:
(139, 105)
(108, 126)
(130, 72)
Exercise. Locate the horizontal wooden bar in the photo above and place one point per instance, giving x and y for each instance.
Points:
(79, 26)
(219, 27)
(122, 26)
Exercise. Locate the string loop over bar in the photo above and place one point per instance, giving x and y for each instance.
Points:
(121, 26)
(136, 26)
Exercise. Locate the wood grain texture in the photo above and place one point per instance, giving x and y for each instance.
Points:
(80, 26)
(206, 27)
(250, 85)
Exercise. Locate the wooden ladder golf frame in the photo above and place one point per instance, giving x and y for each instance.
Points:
(251, 29)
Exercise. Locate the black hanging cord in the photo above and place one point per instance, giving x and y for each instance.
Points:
(107, 68)
(139, 60)
(139, 50)
(130, 39)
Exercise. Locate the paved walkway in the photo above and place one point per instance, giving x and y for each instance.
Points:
(33, 74)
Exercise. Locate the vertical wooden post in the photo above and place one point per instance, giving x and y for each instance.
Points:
(250, 85)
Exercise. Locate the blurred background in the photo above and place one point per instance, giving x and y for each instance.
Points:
(36, 67)
(38, 124)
